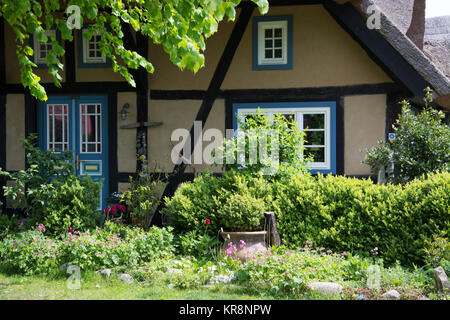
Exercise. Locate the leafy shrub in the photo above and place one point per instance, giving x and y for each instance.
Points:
(69, 203)
(34, 253)
(28, 252)
(210, 197)
(126, 232)
(256, 130)
(242, 213)
(437, 250)
(288, 271)
(143, 196)
(50, 192)
(154, 244)
(421, 145)
(341, 213)
(198, 245)
(356, 215)
(8, 225)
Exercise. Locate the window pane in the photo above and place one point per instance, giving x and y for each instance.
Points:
(268, 33)
(90, 128)
(269, 54)
(268, 43)
(318, 154)
(278, 53)
(278, 32)
(278, 43)
(314, 121)
(315, 138)
(58, 124)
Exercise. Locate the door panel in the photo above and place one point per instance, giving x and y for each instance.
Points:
(78, 124)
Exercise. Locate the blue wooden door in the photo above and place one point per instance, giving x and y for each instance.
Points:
(78, 124)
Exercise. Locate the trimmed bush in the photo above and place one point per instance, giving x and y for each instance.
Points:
(210, 197)
(356, 215)
(340, 213)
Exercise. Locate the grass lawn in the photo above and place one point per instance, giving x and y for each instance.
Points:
(94, 287)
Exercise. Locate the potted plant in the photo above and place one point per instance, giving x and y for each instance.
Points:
(242, 221)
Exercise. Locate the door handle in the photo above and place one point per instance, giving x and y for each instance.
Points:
(77, 162)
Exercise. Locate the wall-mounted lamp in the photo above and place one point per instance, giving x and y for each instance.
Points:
(124, 111)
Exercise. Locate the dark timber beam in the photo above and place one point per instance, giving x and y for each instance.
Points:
(2, 146)
(70, 68)
(74, 88)
(31, 119)
(282, 93)
(141, 78)
(2, 111)
(112, 142)
(212, 92)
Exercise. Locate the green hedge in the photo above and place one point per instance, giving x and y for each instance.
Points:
(356, 215)
(346, 214)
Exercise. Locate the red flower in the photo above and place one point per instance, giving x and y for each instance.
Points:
(70, 230)
(207, 221)
(121, 208)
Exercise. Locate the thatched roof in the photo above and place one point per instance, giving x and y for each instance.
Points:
(437, 42)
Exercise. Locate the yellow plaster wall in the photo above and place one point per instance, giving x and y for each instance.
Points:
(15, 130)
(126, 138)
(364, 127)
(174, 115)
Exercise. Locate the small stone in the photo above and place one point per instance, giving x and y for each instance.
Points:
(326, 288)
(106, 272)
(125, 277)
(391, 295)
(441, 279)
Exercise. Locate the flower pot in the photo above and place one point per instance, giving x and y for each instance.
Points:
(254, 242)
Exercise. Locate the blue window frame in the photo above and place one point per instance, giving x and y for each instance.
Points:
(319, 118)
(89, 55)
(40, 49)
(272, 42)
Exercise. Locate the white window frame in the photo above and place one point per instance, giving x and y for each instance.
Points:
(98, 122)
(262, 25)
(37, 47)
(299, 112)
(65, 127)
(86, 58)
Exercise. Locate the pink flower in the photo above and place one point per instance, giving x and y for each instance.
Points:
(41, 228)
(20, 224)
(207, 222)
(329, 251)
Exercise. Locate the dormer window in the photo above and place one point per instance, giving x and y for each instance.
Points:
(41, 49)
(89, 52)
(272, 42)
